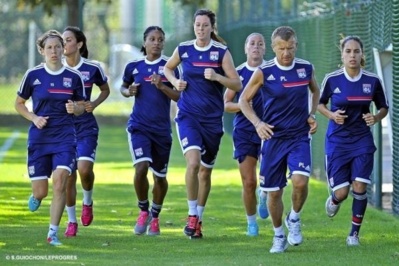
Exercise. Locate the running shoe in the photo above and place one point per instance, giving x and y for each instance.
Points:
(53, 240)
(280, 244)
(33, 203)
(71, 230)
(87, 214)
(352, 241)
(142, 222)
(153, 229)
(331, 208)
(191, 225)
(263, 212)
(253, 229)
(198, 231)
(294, 231)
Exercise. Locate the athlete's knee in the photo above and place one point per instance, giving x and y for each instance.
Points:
(300, 182)
(141, 169)
(341, 194)
(249, 183)
(40, 193)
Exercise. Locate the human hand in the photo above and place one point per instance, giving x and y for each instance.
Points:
(339, 117)
(70, 107)
(156, 80)
(133, 89)
(210, 74)
(89, 106)
(264, 130)
(313, 125)
(180, 85)
(369, 119)
(40, 121)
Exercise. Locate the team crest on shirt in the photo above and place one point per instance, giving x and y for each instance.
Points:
(85, 75)
(31, 170)
(301, 73)
(160, 70)
(214, 56)
(138, 152)
(367, 88)
(67, 82)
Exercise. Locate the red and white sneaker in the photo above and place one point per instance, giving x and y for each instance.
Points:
(198, 231)
(87, 214)
(191, 225)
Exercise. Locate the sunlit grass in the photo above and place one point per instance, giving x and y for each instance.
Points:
(110, 239)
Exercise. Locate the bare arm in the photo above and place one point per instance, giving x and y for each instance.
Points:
(229, 104)
(20, 106)
(338, 116)
(254, 84)
(90, 106)
(231, 79)
(169, 68)
(314, 88)
(170, 92)
(263, 129)
(128, 90)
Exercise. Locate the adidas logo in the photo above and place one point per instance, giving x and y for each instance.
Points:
(37, 82)
(337, 90)
(185, 55)
(135, 71)
(271, 77)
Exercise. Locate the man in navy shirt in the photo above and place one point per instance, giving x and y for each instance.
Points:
(285, 127)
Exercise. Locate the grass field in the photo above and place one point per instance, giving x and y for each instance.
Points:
(110, 239)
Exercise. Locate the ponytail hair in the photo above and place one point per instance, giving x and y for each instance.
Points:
(80, 37)
(212, 18)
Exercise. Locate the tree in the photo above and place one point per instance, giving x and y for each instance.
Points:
(74, 8)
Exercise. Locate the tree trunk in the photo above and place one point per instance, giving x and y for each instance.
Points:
(75, 9)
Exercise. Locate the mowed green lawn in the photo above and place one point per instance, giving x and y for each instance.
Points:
(110, 239)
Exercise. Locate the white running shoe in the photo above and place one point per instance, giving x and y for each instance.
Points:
(294, 231)
(331, 208)
(352, 241)
(280, 244)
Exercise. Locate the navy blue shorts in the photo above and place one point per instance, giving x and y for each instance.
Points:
(150, 147)
(86, 148)
(246, 143)
(200, 135)
(344, 168)
(280, 154)
(43, 159)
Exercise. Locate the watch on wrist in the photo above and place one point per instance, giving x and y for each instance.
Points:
(313, 116)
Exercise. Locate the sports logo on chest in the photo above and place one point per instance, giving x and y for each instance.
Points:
(214, 56)
(85, 75)
(160, 70)
(367, 88)
(301, 73)
(67, 82)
